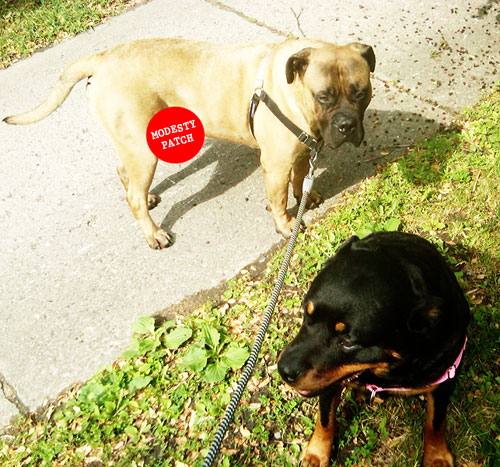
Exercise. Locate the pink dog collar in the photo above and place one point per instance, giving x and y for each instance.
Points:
(448, 374)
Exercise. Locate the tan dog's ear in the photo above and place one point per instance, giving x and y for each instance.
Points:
(297, 64)
(366, 52)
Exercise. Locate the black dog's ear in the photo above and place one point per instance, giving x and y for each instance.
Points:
(366, 52)
(347, 243)
(297, 64)
(426, 315)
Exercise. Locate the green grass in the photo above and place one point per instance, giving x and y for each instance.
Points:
(155, 407)
(28, 25)
(161, 403)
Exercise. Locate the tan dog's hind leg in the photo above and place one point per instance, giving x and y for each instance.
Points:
(136, 173)
(319, 449)
(299, 171)
(125, 118)
(153, 199)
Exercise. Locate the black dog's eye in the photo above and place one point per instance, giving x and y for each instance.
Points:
(347, 344)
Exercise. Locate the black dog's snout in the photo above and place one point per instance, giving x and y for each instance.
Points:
(345, 125)
(289, 369)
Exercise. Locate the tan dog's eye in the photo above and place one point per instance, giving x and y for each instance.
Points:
(359, 95)
(326, 97)
(323, 98)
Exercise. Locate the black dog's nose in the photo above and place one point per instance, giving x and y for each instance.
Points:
(289, 370)
(345, 125)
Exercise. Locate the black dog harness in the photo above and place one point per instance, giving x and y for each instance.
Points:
(260, 95)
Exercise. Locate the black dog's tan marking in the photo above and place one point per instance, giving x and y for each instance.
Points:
(385, 312)
(320, 445)
(436, 451)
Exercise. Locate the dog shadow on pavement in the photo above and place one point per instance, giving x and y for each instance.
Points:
(232, 164)
(388, 135)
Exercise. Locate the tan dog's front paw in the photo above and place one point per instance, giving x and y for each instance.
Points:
(161, 239)
(314, 199)
(286, 228)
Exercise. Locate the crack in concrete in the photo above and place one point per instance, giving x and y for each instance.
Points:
(223, 6)
(386, 82)
(11, 395)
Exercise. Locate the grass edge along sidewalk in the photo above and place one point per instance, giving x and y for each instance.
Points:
(30, 25)
(160, 404)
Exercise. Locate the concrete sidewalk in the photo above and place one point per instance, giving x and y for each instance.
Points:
(76, 271)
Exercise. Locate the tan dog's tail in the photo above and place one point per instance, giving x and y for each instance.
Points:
(82, 68)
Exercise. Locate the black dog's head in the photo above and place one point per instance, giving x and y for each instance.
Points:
(335, 83)
(384, 310)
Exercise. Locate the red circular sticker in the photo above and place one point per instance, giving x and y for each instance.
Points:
(175, 135)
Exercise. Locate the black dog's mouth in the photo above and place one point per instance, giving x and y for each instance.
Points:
(350, 378)
(310, 393)
(342, 381)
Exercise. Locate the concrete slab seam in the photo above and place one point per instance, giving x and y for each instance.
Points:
(386, 82)
(223, 6)
(11, 395)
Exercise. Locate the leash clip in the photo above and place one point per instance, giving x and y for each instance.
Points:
(307, 183)
(259, 88)
(312, 159)
(373, 391)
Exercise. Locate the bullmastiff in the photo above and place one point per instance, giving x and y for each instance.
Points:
(323, 88)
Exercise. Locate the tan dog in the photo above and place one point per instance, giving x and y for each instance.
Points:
(323, 88)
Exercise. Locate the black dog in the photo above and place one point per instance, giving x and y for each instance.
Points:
(385, 313)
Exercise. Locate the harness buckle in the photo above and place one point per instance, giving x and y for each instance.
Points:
(311, 143)
(304, 138)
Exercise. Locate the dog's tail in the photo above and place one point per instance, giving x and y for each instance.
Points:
(76, 71)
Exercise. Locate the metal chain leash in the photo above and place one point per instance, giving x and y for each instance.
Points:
(252, 359)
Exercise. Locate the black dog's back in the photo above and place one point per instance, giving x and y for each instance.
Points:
(413, 297)
(420, 260)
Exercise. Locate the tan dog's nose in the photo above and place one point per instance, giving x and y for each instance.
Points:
(345, 125)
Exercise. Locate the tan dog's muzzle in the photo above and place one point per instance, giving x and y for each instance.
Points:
(345, 127)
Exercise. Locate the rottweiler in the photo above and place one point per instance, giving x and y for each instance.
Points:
(385, 313)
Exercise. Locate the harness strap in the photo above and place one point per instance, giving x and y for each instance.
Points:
(259, 84)
(260, 95)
